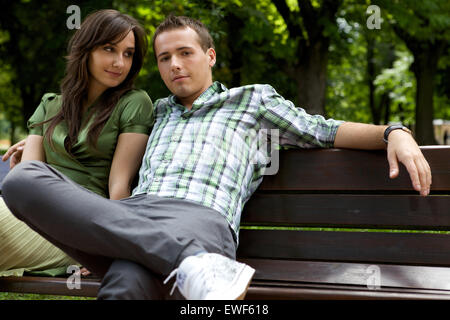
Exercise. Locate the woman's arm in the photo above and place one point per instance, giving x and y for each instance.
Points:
(34, 148)
(126, 161)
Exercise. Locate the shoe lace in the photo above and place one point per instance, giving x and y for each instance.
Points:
(171, 275)
(196, 285)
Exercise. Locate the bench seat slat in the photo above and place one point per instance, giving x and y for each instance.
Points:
(48, 285)
(356, 274)
(258, 290)
(261, 290)
(366, 247)
(359, 211)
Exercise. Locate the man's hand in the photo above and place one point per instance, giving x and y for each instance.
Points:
(15, 153)
(402, 147)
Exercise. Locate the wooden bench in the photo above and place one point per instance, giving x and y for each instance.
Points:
(332, 225)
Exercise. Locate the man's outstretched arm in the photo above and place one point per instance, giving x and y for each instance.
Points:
(401, 147)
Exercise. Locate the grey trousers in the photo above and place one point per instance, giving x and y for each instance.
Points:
(132, 243)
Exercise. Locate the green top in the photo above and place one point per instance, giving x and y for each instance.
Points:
(90, 166)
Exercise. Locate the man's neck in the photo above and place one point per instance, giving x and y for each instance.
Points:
(187, 102)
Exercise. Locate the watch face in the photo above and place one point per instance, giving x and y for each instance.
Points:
(406, 129)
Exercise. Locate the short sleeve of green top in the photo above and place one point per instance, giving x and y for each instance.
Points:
(90, 166)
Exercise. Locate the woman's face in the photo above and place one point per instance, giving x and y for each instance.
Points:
(109, 64)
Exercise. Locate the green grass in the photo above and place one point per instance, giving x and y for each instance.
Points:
(30, 296)
(243, 227)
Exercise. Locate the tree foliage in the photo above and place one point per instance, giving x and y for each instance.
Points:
(366, 75)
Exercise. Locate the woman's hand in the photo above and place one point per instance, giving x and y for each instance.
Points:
(15, 153)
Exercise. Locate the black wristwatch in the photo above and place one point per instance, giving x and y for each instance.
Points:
(394, 127)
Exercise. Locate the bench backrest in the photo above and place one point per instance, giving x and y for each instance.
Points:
(341, 205)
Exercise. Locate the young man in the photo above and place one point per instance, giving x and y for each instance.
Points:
(196, 175)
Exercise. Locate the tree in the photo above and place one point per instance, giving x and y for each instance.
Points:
(311, 26)
(34, 47)
(358, 25)
(424, 26)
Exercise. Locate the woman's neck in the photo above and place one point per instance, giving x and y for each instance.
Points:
(93, 94)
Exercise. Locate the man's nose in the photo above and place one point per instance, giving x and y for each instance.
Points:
(175, 63)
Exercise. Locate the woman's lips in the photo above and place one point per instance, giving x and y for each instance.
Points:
(114, 74)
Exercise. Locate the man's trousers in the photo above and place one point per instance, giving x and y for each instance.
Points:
(132, 243)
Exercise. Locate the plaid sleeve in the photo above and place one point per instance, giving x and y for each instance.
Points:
(297, 128)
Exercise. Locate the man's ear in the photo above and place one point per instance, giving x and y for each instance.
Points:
(211, 53)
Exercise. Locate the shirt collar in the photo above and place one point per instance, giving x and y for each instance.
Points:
(215, 88)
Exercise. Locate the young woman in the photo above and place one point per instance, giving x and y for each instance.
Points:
(94, 132)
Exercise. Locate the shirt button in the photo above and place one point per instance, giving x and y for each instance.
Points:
(157, 179)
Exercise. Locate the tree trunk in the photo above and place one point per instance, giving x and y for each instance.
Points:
(426, 56)
(312, 50)
(424, 68)
(376, 116)
(311, 76)
(12, 133)
(235, 26)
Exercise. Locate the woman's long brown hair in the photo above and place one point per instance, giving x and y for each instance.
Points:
(99, 28)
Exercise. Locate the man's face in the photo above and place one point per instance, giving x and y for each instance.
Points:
(184, 67)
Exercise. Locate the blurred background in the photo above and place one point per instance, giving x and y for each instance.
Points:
(345, 59)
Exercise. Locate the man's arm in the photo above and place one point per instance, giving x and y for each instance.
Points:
(401, 147)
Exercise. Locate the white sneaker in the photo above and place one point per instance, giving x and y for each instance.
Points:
(211, 276)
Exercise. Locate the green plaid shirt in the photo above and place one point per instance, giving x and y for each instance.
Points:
(207, 154)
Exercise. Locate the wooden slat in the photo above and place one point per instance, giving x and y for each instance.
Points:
(365, 247)
(258, 289)
(276, 291)
(356, 274)
(337, 169)
(48, 285)
(339, 210)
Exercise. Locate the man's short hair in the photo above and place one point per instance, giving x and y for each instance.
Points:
(180, 22)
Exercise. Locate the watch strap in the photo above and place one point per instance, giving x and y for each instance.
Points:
(392, 128)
